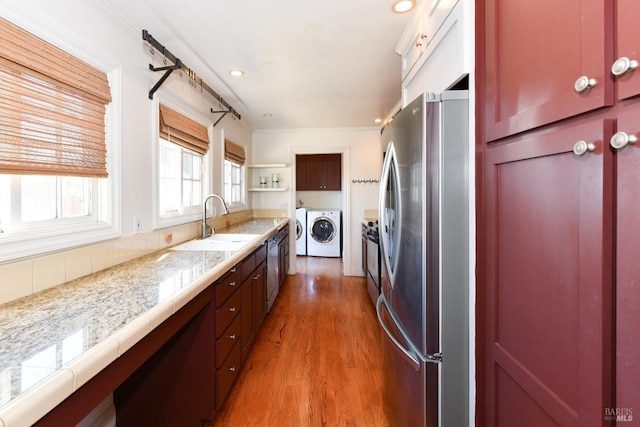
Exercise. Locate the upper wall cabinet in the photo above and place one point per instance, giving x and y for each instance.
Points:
(624, 69)
(413, 44)
(318, 172)
(411, 47)
(545, 61)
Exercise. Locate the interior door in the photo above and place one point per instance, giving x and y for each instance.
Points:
(548, 223)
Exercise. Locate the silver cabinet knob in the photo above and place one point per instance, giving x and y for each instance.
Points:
(623, 65)
(621, 139)
(581, 147)
(583, 83)
(232, 337)
(233, 309)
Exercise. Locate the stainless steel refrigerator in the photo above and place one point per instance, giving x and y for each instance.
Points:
(424, 237)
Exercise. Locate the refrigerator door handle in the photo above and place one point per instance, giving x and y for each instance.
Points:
(409, 356)
(389, 217)
(414, 356)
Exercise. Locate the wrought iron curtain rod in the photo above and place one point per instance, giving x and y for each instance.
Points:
(179, 65)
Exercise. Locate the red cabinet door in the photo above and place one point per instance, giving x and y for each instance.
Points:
(627, 348)
(548, 223)
(534, 52)
(628, 46)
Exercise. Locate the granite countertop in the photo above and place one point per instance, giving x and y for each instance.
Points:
(53, 342)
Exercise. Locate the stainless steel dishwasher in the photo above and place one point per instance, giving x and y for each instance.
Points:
(273, 268)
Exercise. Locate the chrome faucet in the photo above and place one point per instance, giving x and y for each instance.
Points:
(205, 226)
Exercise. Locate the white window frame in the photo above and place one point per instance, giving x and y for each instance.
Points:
(181, 210)
(193, 213)
(65, 234)
(13, 186)
(242, 203)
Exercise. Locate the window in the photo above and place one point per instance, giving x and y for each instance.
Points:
(180, 179)
(234, 173)
(233, 183)
(181, 153)
(38, 201)
(54, 187)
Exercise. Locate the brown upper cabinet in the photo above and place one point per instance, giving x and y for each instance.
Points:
(319, 172)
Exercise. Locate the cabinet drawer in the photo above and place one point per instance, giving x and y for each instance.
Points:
(226, 375)
(248, 265)
(226, 285)
(226, 313)
(261, 254)
(225, 343)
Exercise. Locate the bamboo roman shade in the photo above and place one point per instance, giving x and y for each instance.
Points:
(233, 152)
(52, 109)
(176, 128)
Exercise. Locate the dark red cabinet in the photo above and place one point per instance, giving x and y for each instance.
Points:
(533, 53)
(558, 300)
(548, 278)
(318, 172)
(627, 46)
(627, 344)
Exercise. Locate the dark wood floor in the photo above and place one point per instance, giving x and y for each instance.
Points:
(316, 361)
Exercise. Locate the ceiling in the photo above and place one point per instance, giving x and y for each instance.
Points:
(310, 64)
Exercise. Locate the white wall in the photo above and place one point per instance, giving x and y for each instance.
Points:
(319, 200)
(361, 159)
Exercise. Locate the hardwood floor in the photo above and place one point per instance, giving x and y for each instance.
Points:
(316, 361)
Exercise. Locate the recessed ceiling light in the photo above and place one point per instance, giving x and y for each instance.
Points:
(378, 120)
(402, 6)
(267, 115)
(236, 73)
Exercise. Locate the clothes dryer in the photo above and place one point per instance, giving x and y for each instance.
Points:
(301, 231)
(324, 233)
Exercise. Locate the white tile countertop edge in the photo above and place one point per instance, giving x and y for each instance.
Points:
(37, 401)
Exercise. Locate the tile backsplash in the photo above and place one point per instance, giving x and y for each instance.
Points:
(31, 275)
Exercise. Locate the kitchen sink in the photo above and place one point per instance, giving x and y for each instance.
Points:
(217, 242)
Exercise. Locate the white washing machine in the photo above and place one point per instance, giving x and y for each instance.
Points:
(301, 231)
(324, 234)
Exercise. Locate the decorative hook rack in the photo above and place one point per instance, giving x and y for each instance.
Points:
(365, 181)
(194, 79)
